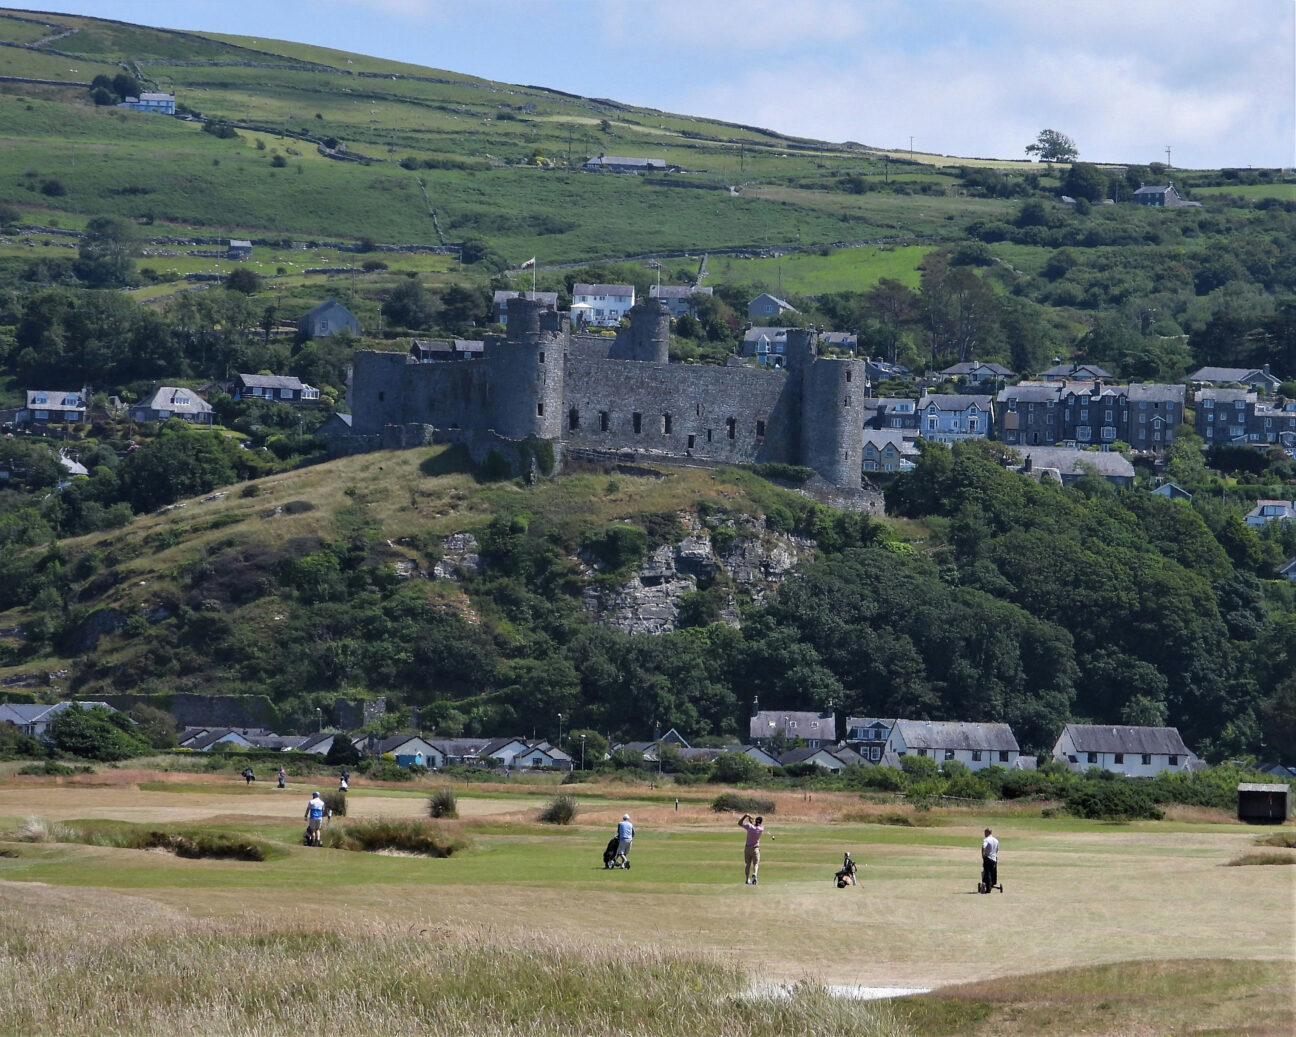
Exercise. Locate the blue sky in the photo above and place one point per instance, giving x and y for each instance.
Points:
(1213, 79)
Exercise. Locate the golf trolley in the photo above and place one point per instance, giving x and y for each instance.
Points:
(985, 885)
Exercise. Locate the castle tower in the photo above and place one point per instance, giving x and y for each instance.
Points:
(648, 337)
(528, 372)
(801, 348)
(832, 418)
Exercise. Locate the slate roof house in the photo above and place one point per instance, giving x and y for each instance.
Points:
(602, 303)
(239, 248)
(679, 299)
(1240, 417)
(955, 417)
(766, 305)
(976, 371)
(1030, 413)
(33, 718)
(170, 401)
(890, 412)
(627, 164)
(868, 736)
(1162, 196)
(1074, 372)
(46, 407)
(499, 302)
(1266, 511)
(407, 748)
(1257, 378)
(1068, 465)
(832, 760)
(432, 351)
(1135, 751)
(276, 387)
(768, 345)
(156, 103)
(977, 745)
(889, 450)
(815, 729)
(328, 318)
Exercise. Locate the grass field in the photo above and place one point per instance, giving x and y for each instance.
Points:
(1130, 929)
(842, 270)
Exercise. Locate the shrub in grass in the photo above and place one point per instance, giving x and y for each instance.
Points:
(442, 803)
(1262, 858)
(736, 769)
(197, 845)
(52, 768)
(335, 802)
(1287, 839)
(561, 810)
(389, 770)
(1112, 801)
(401, 835)
(737, 803)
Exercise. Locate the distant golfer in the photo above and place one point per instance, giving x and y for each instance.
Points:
(625, 836)
(249, 775)
(751, 852)
(315, 817)
(989, 862)
(283, 777)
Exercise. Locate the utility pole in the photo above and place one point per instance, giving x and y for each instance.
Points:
(911, 147)
(1167, 151)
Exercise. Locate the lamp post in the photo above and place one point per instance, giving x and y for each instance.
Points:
(319, 720)
(559, 730)
(582, 752)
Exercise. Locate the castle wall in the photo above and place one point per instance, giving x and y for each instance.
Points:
(731, 414)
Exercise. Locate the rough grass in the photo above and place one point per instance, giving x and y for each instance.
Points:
(1262, 858)
(742, 803)
(1139, 997)
(397, 835)
(190, 843)
(135, 978)
(561, 810)
(1285, 838)
(443, 803)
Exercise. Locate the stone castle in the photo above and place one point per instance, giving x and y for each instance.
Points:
(589, 394)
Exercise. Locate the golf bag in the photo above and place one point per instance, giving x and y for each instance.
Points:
(989, 876)
(610, 853)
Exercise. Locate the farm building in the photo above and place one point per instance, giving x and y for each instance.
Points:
(1263, 804)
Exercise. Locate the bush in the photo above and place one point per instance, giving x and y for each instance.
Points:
(1120, 800)
(561, 810)
(335, 802)
(736, 769)
(442, 803)
(733, 802)
(53, 768)
(403, 835)
(390, 770)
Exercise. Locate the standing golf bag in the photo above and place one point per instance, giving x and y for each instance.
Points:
(989, 876)
(610, 852)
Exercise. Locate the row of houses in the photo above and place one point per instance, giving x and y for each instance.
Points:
(1242, 417)
(57, 407)
(1130, 750)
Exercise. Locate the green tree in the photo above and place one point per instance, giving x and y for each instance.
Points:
(1085, 180)
(243, 279)
(736, 769)
(107, 252)
(1051, 146)
(177, 464)
(409, 306)
(95, 734)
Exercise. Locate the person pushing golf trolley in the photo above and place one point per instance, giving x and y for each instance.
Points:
(314, 818)
(989, 864)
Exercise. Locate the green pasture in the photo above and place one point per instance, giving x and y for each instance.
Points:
(1283, 192)
(809, 273)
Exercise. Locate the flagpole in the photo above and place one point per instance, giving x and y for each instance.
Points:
(533, 266)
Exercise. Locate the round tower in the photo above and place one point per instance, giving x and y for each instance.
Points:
(648, 337)
(832, 419)
(527, 373)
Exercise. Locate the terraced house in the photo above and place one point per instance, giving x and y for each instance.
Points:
(1241, 417)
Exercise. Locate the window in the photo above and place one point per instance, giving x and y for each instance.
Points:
(922, 752)
(848, 376)
(1003, 755)
(1147, 759)
(1174, 761)
(382, 396)
(637, 419)
(666, 424)
(539, 410)
(1208, 404)
(1118, 758)
(708, 435)
(731, 426)
(932, 423)
(692, 441)
(949, 754)
(976, 755)
(1107, 415)
(1142, 419)
(603, 421)
(540, 356)
(875, 753)
(846, 402)
(760, 430)
(573, 419)
(1091, 757)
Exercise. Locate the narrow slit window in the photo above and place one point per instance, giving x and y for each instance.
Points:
(692, 442)
(539, 410)
(604, 424)
(731, 427)
(760, 430)
(638, 422)
(573, 419)
(666, 424)
(541, 356)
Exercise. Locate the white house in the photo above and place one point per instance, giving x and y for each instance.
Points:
(172, 401)
(406, 748)
(602, 303)
(1257, 378)
(834, 760)
(157, 103)
(950, 418)
(46, 406)
(977, 745)
(1140, 752)
(542, 754)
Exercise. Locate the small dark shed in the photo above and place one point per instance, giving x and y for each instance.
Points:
(1264, 804)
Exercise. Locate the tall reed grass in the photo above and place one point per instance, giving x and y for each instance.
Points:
(219, 977)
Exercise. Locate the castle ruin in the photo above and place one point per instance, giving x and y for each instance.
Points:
(589, 393)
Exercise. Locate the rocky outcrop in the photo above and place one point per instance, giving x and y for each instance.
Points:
(459, 558)
(754, 559)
